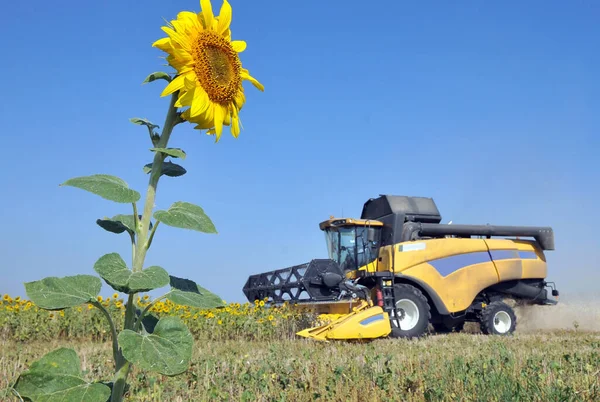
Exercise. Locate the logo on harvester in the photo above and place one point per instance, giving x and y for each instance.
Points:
(372, 319)
(412, 247)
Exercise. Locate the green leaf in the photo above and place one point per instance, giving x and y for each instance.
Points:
(55, 293)
(106, 186)
(57, 377)
(173, 152)
(186, 216)
(118, 224)
(186, 292)
(157, 76)
(114, 271)
(167, 350)
(168, 169)
(149, 322)
(143, 122)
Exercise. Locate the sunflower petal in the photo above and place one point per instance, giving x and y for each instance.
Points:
(224, 18)
(219, 117)
(207, 13)
(183, 55)
(173, 86)
(180, 38)
(200, 102)
(190, 18)
(240, 99)
(238, 45)
(227, 117)
(246, 76)
(202, 124)
(163, 44)
(235, 124)
(180, 65)
(186, 99)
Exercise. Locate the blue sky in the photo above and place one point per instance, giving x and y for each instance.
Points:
(491, 108)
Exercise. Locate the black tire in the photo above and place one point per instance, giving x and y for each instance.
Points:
(498, 318)
(412, 298)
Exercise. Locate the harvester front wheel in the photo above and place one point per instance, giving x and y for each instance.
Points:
(412, 310)
(498, 318)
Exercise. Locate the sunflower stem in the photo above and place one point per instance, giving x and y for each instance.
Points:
(139, 248)
(152, 233)
(113, 332)
(138, 323)
(119, 382)
(142, 229)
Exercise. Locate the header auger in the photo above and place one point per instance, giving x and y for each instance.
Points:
(397, 269)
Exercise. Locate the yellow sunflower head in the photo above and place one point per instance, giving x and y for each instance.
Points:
(209, 71)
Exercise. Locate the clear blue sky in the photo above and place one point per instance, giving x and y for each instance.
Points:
(491, 108)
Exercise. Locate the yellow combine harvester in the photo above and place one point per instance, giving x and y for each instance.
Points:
(397, 269)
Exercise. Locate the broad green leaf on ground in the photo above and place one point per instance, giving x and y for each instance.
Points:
(186, 216)
(167, 350)
(158, 75)
(143, 122)
(188, 293)
(57, 377)
(168, 169)
(173, 152)
(55, 293)
(113, 269)
(106, 186)
(118, 224)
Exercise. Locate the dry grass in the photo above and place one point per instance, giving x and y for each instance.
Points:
(552, 366)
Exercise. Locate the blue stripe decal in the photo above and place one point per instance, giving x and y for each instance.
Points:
(504, 254)
(372, 319)
(528, 255)
(446, 266)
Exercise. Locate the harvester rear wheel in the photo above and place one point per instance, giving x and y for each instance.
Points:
(498, 318)
(413, 311)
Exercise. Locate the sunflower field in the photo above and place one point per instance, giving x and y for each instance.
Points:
(21, 320)
(248, 352)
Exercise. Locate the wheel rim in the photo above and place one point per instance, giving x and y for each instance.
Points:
(407, 314)
(502, 322)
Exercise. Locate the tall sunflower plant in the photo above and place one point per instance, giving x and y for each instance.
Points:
(205, 90)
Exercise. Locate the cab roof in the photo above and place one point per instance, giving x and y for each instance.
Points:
(348, 222)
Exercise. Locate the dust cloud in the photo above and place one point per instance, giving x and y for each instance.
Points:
(580, 315)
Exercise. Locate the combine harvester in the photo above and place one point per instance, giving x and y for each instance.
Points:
(397, 269)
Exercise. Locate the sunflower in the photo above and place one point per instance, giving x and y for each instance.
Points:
(209, 71)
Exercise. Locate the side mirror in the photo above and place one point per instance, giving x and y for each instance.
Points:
(370, 235)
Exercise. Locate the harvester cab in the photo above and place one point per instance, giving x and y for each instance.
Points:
(353, 244)
(397, 270)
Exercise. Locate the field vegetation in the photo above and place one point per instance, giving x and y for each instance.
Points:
(248, 352)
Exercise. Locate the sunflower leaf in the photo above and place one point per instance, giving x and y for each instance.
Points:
(172, 152)
(143, 122)
(184, 215)
(114, 271)
(118, 224)
(168, 169)
(53, 293)
(57, 377)
(157, 76)
(167, 350)
(106, 186)
(186, 292)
